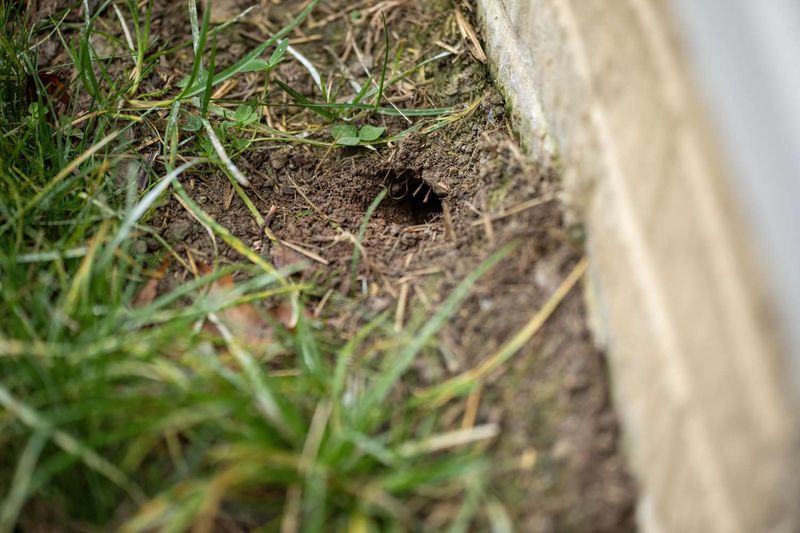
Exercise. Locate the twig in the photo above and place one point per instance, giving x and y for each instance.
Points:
(402, 301)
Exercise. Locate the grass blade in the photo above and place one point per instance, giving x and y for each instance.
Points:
(209, 82)
(346, 354)
(257, 51)
(302, 101)
(223, 155)
(382, 80)
(378, 392)
(18, 492)
(224, 234)
(312, 70)
(362, 230)
(199, 37)
(62, 174)
(68, 443)
(362, 92)
(143, 206)
(265, 399)
(463, 383)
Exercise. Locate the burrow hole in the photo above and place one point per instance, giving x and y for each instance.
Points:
(410, 201)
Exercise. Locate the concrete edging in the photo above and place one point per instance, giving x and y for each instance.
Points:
(700, 380)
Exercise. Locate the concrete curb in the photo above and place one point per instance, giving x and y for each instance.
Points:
(700, 380)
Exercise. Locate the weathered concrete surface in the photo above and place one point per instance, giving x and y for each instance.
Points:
(701, 379)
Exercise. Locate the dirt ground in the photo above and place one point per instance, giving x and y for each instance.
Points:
(455, 196)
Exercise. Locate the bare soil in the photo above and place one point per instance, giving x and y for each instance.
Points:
(455, 196)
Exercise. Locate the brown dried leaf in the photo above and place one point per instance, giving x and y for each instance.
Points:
(244, 320)
(285, 315)
(56, 87)
(149, 292)
(283, 256)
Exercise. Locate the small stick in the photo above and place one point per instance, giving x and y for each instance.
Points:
(519, 208)
(270, 215)
(321, 304)
(225, 89)
(449, 229)
(471, 410)
(402, 301)
(308, 253)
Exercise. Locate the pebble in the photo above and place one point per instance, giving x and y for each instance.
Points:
(440, 189)
(139, 247)
(178, 230)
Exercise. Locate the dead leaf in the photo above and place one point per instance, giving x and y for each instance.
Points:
(244, 320)
(285, 316)
(468, 32)
(150, 289)
(55, 86)
(282, 256)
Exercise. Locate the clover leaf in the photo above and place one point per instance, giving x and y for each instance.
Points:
(369, 133)
(345, 134)
(245, 114)
(348, 135)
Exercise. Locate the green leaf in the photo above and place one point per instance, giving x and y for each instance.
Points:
(343, 130)
(87, 69)
(201, 78)
(245, 114)
(193, 123)
(258, 64)
(277, 55)
(369, 133)
(345, 134)
(205, 98)
(364, 89)
(37, 112)
(199, 38)
(255, 65)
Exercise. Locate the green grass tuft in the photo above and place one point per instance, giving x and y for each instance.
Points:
(140, 417)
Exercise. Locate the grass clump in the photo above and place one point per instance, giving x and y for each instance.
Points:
(137, 415)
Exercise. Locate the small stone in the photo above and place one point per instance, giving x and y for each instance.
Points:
(378, 304)
(441, 189)
(139, 247)
(178, 230)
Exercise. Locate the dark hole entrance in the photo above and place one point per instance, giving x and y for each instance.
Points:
(410, 199)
